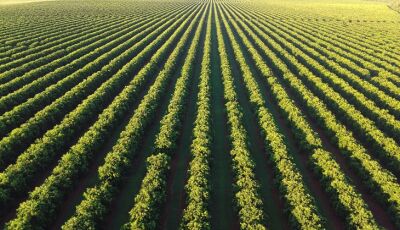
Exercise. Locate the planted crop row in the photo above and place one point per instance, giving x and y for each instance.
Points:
(67, 64)
(319, 52)
(380, 81)
(67, 42)
(145, 212)
(374, 176)
(92, 210)
(83, 88)
(300, 203)
(368, 107)
(87, 77)
(333, 43)
(21, 137)
(384, 146)
(248, 200)
(387, 84)
(20, 42)
(342, 192)
(362, 47)
(31, 84)
(37, 65)
(369, 89)
(373, 60)
(46, 149)
(73, 164)
(9, 59)
(17, 38)
(196, 215)
(346, 50)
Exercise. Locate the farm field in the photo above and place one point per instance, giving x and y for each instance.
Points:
(199, 114)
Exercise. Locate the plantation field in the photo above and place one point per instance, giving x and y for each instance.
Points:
(200, 114)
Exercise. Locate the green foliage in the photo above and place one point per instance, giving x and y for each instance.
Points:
(151, 194)
(144, 214)
(247, 197)
(44, 150)
(196, 214)
(345, 197)
(119, 159)
(341, 191)
(301, 205)
(81, 83)
(71, 74)
(75, 162)
(375, 176)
